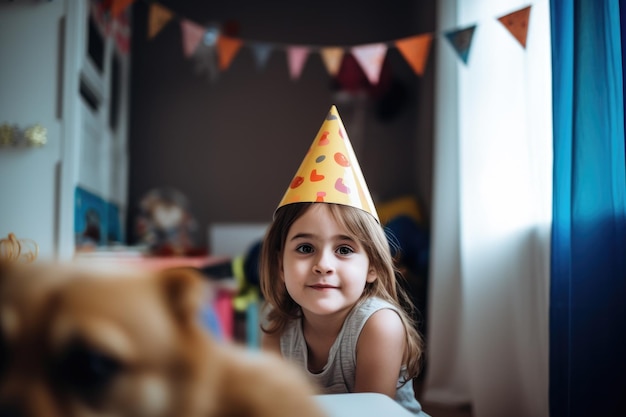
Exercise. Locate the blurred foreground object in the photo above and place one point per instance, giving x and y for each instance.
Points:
(101, 340)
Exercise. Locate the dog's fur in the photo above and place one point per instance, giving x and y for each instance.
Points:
(74, 342)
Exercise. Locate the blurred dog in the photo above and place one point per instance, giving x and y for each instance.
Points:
(75, 342)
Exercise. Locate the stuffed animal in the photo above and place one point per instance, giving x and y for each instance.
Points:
(165, 223)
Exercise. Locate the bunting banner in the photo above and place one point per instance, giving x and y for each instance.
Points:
(192, 35)
(370, 57)
(332, 58)
(158, 16)
(227, 48)
(415, 50)
(261, 51)
(517, 24)
(296, 57)
(461, 40)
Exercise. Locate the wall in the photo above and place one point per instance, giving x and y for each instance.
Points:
(232, 145)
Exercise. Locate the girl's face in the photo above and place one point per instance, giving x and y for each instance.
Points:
(324, 269)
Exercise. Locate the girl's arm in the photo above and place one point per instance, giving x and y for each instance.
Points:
(270, 343)
(380, 353)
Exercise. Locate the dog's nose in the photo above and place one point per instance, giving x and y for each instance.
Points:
(10, 410)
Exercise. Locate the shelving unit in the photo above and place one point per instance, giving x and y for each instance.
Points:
(64, 71)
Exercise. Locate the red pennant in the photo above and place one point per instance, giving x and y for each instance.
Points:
(192, 35)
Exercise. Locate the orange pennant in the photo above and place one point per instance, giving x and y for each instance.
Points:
(192, 35)
(118, 6)
(227, 48)
(332, 57)
(517, 24)
(415, 50)
(159, 17)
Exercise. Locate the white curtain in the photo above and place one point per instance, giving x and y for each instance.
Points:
(490, 262)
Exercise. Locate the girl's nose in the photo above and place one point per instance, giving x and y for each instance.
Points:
(323, 264)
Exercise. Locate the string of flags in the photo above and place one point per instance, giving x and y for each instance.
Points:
(215, 51)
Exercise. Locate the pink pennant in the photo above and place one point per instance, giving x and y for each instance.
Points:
(371, 58)
(296, 56)
(192, 35)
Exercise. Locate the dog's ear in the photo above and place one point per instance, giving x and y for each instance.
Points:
(184, 292)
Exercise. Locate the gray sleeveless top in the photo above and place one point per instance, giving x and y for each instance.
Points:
(338, 375)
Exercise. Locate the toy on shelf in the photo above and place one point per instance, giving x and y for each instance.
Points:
(14, 249)
(165, 223)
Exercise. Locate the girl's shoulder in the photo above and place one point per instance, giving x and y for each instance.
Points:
(364, 310)
(372, 304)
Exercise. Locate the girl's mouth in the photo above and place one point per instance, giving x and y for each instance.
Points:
(321, 287)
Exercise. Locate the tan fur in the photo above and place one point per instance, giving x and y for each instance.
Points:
(77, 342)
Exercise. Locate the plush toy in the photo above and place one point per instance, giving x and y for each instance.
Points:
(165, 223)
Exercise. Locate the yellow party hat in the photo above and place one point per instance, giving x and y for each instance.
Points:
(330, 172)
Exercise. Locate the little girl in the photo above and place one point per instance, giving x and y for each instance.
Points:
(328, 277)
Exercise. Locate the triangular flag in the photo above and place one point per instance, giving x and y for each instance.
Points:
(118, 6)
(371, 58)
(332, 57)
(461, 41)
(192, 35)
(261, 52)
(159, 17)
(296, 58)
(517, 24)
(227, 48)
(415, 50)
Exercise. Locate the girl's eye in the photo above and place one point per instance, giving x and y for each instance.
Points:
(304, 249)
(344, 250)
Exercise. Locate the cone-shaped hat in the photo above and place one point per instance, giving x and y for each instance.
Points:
(330, 172)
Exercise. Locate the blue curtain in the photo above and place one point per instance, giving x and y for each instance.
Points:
(588, 269)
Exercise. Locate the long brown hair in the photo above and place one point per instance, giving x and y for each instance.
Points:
(369, 233)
